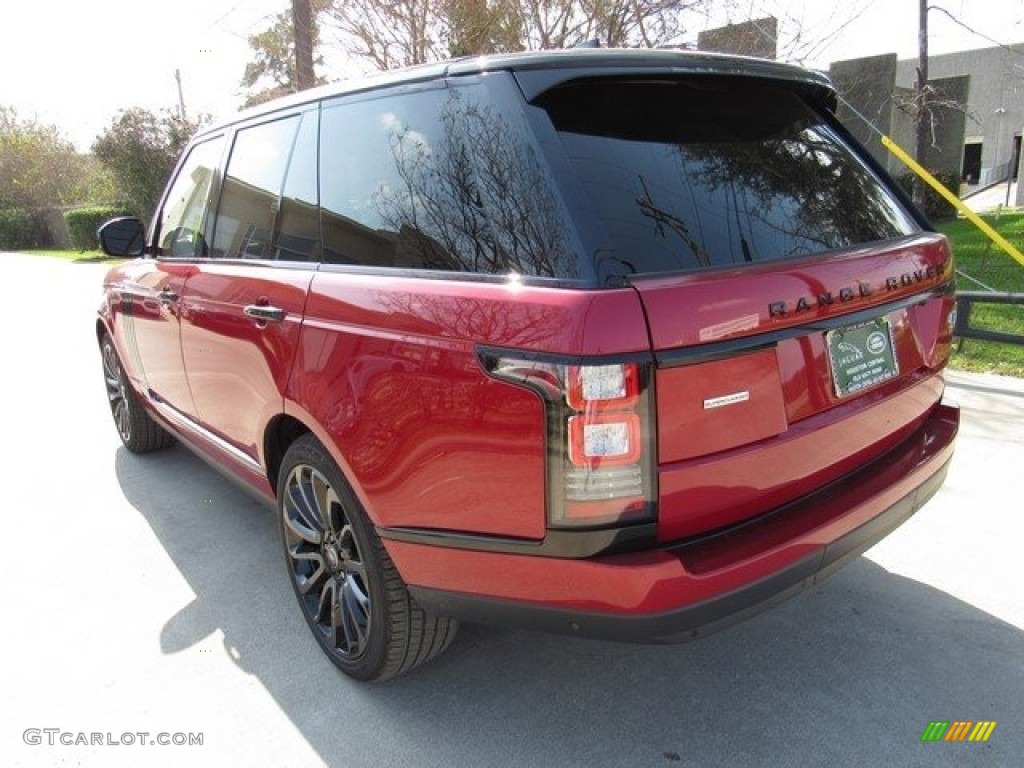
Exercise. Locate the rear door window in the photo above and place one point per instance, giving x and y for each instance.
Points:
(297, 234)
(251, 193)
(694, 174)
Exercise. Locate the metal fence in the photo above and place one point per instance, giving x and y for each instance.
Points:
(965, 301)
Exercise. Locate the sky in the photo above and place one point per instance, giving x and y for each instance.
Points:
(75, 63)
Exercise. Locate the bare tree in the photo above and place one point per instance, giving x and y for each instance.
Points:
(799, 40)
(399, 33)
(479, 26)
(616, 23)
(389, 34)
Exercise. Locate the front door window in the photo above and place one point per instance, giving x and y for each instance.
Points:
(181, 220)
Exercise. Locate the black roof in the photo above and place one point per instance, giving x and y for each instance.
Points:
(557, 66)
(682, 62)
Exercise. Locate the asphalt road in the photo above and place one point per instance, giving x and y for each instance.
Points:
(148, 595)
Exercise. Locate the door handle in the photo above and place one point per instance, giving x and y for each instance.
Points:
(167, 297)
(264, 313)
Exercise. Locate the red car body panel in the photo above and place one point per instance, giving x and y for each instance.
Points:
(718, 490)
(790, 439)
(728, 304)
(389, 370)
(146, 297)
(694, 430)
(793, 433)
(665, 580)
(238, 366)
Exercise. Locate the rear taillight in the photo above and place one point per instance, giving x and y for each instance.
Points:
(608, 385)
(600, 437)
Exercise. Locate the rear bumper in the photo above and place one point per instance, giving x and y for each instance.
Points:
(679, 592)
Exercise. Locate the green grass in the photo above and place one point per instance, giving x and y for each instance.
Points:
(978, 258)
(71, 254)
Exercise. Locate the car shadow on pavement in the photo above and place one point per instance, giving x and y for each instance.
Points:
(849, 673)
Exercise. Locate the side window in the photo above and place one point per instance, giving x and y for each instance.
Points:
(297, 237)
(372, 155)
(438, 179)
(251, 192)
(181, 219)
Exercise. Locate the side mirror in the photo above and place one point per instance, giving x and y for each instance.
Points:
(122, 237)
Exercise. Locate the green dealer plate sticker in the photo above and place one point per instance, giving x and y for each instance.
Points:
(861, 356)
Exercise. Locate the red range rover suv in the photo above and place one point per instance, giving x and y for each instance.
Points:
(619, 343)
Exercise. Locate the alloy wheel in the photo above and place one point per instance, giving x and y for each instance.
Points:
(325, 562)
(116, 394)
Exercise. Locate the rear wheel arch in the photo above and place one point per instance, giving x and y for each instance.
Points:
(281, 432)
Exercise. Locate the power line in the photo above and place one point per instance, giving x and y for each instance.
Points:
(973, 31)
(224, 15)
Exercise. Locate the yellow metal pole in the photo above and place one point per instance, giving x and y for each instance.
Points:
(953, 200)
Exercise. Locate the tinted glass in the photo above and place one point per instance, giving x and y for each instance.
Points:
(250, 195)
(297, 235)
(714, 173)
(181, 220)
(438, 179)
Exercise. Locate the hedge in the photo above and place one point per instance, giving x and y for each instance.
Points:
(82, 224)
(17, 229)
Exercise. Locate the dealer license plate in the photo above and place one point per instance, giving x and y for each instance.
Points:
(861, 356)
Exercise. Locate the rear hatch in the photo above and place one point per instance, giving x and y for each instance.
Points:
(756, 408)
(798, 310)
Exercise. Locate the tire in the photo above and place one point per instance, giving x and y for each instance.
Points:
(137, 429)
(350, 593)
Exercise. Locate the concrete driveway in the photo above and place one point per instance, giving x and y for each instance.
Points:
(148, 595)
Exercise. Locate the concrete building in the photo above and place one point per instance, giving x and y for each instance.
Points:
(978, 111)
(756, 37)
(990, 147)
(977, 104)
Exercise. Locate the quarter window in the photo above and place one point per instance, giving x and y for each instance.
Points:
(442, 179)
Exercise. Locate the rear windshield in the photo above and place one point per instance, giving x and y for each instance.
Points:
(711, 173)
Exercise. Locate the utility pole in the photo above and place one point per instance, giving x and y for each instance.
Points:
(181, 95)
(922, 118)
(302, 24)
